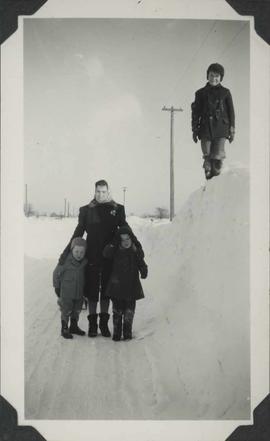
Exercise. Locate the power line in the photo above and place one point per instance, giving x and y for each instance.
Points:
(236, 35)
(190, 63)
(193, 57)
(232, 40)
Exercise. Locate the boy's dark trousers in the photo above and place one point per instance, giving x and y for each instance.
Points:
(213, 154)
(123, 314)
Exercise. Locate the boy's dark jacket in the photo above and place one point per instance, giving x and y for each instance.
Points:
(100, 222)
(213, 112)
(124, 282)
(70, 278)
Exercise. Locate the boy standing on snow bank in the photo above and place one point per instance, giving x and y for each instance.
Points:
(213, 120)
(68, 282)
(124, 286)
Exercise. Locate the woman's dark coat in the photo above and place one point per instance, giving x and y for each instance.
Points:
(124, 282)
(100, 221)
(212, 112)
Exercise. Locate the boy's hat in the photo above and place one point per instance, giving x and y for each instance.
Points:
(217, 68)
(79, 241)
(125, 230)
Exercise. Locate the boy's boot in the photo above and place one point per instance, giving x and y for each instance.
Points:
(64, 330)
(74, 328)
(103, 324)
(117, 326)
(92, 331)
(207, 168)
(127, 327)
(216, 167)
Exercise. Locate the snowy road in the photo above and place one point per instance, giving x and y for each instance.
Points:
(93, 378)
(190, 355)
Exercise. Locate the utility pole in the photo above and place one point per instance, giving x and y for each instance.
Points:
(124, 194)
(65, 207)
(68, 210)
(172, 110)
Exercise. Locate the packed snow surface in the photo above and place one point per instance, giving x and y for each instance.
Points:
(189, 358)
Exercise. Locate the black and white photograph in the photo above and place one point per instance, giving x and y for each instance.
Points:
(136, 224)
(166, 221)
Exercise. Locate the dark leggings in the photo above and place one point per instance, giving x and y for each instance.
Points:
(104, 306)
(97, 277)
(124, 307)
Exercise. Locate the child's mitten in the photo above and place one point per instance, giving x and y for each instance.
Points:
(231, 135)
(109, 251)
(195, 137)
(144, 272)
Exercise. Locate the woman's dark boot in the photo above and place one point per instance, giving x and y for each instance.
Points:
(127, 327)
(117, 326)
(74, 328)
(64, 330)
(103, 324)
(92, 331)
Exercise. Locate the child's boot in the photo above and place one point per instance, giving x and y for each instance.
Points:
(64, 330)
(127, 327)
(117, 326)
(92, 330)
(216, 167)
(74, 328)
(103, 324)
(207, 168)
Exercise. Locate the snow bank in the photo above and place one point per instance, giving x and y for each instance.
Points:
(200, 278)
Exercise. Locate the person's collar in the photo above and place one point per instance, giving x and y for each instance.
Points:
(95, 203)
(72, 259)
(124, 248)
(208, 85)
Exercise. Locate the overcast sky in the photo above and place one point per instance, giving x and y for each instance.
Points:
(93, 94)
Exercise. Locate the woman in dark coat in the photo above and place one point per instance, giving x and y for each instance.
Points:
(213, 120)
(100, 219)
(124, 286)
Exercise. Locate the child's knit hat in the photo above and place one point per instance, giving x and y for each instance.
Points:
(125, 230)
(79, 241)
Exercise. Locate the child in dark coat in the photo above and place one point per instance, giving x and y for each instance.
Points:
(213, 120)
(124, 286)
(68, 282)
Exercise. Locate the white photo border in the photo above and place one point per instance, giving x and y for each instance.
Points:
(12, 178)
